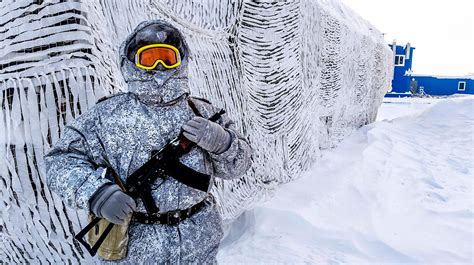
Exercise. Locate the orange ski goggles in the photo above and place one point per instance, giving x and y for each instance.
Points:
(149, 56)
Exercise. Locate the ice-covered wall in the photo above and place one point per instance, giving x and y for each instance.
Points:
(296, 76)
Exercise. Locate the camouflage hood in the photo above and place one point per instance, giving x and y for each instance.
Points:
(159, 86)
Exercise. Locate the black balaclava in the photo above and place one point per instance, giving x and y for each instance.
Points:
(159, 86)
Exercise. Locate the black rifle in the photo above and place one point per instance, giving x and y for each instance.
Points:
(163, 163)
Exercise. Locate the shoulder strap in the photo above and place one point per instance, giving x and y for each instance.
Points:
(109, 96)
(202, 99)
(193, 107)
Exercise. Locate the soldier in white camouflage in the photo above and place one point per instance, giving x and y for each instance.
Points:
(121, 132)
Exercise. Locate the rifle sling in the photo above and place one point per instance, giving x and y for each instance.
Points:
(188, 176)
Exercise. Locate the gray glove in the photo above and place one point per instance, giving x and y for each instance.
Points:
(111, 203)
(207, 134)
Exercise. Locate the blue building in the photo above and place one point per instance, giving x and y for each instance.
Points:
(442, 85)
(403, 57)
(406, 84)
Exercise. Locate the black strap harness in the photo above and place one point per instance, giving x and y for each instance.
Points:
(170, 217)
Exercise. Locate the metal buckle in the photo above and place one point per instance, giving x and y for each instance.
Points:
(173, 217)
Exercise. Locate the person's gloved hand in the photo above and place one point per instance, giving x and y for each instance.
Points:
(207, 134)
(111, 203)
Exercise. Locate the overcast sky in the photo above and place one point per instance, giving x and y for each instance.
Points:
(442, 31)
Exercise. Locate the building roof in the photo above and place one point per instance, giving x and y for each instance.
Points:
(470, 76)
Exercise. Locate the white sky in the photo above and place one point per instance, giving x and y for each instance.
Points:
(442, 31)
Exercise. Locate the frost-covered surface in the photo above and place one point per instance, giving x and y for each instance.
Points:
(399, 190)
(296, 76)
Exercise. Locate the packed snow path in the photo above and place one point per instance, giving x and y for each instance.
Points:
(399, 190)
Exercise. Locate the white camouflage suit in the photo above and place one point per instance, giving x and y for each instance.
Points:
(120, 132)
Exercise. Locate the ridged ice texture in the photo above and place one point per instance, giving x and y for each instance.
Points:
(296, 77)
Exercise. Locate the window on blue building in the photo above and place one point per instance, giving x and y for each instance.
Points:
(462, 86)
(399, 60)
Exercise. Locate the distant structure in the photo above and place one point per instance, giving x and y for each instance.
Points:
(407, 84)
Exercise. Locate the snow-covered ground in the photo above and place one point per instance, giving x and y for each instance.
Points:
(399, 190)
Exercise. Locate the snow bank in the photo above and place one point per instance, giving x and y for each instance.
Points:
(397, 107)
(397, 191)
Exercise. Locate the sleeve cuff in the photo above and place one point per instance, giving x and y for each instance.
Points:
(230, 153)
(96, 180)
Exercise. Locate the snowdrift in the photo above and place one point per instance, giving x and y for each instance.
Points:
(398, 191)
(296, 76)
